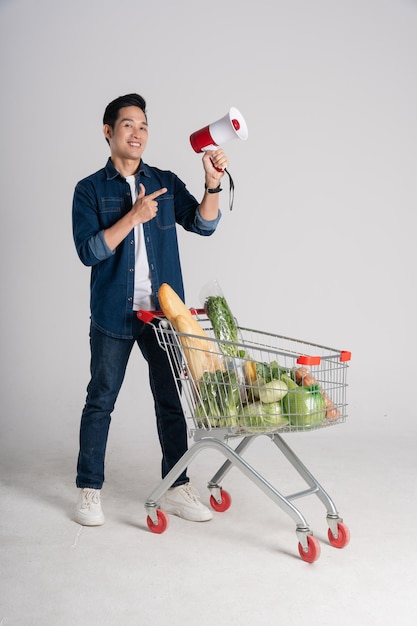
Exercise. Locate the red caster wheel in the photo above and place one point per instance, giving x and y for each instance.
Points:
(162, 524)
(313, 551)
(225, 503)
(343, 536)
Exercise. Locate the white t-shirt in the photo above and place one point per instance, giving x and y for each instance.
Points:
(142, 296)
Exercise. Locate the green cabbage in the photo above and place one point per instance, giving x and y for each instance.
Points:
(257, 416)
(304, 406)
(273, 391)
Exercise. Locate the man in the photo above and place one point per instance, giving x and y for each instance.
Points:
(124, 226)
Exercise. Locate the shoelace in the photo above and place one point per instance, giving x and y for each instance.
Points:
(90, 497)
(189, 492)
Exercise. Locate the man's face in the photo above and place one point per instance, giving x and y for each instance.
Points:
(129, 136)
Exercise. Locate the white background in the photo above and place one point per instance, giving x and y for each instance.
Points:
(320, 244)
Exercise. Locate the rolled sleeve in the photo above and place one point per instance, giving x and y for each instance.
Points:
(203, 224)
(99, 248)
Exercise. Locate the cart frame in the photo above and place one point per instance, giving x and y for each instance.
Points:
(217, 438)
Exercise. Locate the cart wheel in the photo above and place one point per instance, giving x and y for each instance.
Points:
(225, 503)
(313, 551)
(343, 536)
(162, 524)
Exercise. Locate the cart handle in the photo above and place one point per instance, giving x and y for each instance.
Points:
(149, 316)
(345, 355)
(308, 360)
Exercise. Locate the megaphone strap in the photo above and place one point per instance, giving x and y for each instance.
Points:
(231, 189)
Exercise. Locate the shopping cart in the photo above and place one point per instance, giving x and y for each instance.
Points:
(229, 403)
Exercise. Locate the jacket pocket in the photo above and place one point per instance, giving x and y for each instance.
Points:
(110, 210)
(165, 217)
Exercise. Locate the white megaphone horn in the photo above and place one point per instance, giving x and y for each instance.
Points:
(231, 126)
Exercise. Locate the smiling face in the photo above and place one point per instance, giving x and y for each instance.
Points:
(129, 135)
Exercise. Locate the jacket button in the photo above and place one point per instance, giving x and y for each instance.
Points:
(130, 269)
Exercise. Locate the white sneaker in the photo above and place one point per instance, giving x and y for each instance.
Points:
(184, 502)
(89, 512)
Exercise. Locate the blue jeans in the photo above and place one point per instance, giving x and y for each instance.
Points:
(109, 358)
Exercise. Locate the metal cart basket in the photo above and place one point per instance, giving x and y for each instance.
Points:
(263, 385)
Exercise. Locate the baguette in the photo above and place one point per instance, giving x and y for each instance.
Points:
(172, 307)
(201, 352)
(171, 303)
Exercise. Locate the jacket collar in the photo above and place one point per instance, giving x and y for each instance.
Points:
(112, 173)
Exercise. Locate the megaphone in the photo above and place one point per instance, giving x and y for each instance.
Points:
(231, 126)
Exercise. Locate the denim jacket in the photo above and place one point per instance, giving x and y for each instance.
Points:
(102, 199)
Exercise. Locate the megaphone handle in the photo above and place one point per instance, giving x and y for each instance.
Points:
(231, 184)
(218, 169)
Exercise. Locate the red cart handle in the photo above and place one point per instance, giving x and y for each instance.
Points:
(149, 316)
(308, 360)
(345, 355)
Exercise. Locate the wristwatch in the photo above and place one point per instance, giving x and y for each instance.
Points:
(215, 190)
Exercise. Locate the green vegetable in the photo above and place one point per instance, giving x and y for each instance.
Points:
(229, 392)
(257, 416)
(304, 406)
(208, 406)
(224, 325)
(291, 384)
(273, 391)
(265, 374)
(220, 399)
(270, 371)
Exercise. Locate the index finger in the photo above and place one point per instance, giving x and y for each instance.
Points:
(157, 193)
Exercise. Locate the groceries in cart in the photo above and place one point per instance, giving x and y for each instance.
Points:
(247, 381)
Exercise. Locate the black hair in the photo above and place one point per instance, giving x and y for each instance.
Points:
(112, 110)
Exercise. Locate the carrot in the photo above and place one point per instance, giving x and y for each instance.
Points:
(332, 412)
(304, 377)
